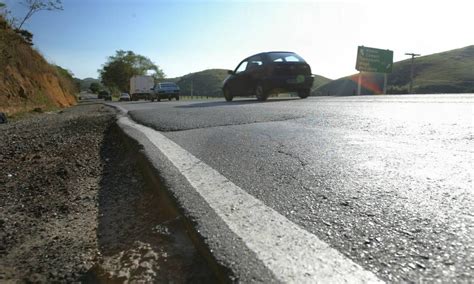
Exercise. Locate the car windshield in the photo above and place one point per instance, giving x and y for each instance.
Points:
(285, 57)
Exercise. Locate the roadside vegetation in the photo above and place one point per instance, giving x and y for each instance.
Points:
(115, 74)
(27, 81)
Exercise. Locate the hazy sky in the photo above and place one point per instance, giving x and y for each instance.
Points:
(189, 36)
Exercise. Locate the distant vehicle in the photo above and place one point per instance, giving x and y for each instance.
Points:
(124, 97)
(166, 90)
(141, 87)
(108, 97)
(268, 72)
(104, 95)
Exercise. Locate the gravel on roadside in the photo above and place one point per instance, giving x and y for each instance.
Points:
(74, 207)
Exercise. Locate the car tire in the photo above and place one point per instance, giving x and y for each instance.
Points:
(304, 93)
(177, 98)
(228, 95)
(260, 93)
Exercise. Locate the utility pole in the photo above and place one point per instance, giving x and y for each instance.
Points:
(413, 55)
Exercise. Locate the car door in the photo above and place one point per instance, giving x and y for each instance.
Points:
(239, 81)
(247, 73)
(255, 72)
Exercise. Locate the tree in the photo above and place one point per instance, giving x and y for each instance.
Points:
(34, 6)
(117, 71)
(94, 87)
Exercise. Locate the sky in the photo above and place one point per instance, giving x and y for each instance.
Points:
(182, 36)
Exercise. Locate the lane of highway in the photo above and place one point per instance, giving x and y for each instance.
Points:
(387, 181)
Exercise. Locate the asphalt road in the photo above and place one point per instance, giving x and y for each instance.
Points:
(87, 96)
(386, 180)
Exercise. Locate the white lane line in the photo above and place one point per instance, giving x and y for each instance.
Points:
(290, 252)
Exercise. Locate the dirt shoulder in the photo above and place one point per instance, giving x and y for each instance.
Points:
(74, 206)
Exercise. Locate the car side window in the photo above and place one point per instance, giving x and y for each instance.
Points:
(254, 62)
(242, 67)
(284, 57)
(291, 58)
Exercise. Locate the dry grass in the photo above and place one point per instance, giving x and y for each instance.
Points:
(27, 80)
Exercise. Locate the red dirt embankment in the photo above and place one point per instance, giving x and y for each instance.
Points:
(27, 81)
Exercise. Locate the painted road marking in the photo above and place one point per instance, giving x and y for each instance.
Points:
(290, 252)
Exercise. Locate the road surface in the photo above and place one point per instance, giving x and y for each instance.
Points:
(385, 180)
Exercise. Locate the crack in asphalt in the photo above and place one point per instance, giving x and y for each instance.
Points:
(291, 155)
(171, 130)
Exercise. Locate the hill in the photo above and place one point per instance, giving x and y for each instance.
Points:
(203, 83)
(319, 81)
(209, 82)
(446, 72)
(27, 81)
(85, 83)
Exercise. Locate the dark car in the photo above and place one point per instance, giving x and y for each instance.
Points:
(105, 95)
(166, 90)
(269, 72)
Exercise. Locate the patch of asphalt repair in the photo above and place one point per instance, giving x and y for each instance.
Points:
(279, 249)
(166, 119)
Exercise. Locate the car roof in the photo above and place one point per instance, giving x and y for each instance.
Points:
(267, 52)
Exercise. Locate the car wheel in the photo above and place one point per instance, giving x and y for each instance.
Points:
(304, 94)
(177, 98)
(228, 95)
(260, 93)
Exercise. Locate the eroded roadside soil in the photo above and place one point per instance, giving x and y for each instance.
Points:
(75, 208)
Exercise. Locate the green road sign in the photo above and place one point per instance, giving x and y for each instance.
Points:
(374, 60)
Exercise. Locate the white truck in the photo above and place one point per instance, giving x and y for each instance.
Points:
(141, 87)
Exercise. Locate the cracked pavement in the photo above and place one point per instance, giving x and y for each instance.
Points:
(386, 180)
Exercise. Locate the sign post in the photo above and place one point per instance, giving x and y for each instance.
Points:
(374, 60)
(359, 81)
